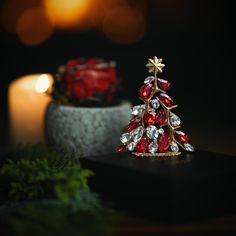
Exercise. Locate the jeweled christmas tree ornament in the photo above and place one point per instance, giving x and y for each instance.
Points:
(153, 129)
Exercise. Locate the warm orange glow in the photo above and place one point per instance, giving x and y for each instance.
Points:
(34, 21)
(11, 10)
(66, 13)
(33, 27)
(100, 8)
(27, 109)
(124, 24)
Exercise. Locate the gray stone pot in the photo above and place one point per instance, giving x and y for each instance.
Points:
(89, 131)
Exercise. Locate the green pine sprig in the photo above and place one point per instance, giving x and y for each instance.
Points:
(38, 173)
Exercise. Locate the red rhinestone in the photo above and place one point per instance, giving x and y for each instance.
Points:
(163, 142)
(145, 91)
(142, 145)
(181, 137)
(166, 99)
(132, 125)
(163, 84)
(150, 118)
(161, 117)
(121, 148)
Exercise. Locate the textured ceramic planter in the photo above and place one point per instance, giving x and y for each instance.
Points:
(89, 131)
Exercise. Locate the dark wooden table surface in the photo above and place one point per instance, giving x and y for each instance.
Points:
(201, 186)
(225, 225)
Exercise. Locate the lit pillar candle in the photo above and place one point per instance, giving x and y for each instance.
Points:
(27, 103)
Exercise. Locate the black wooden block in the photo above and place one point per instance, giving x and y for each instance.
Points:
(173, 189)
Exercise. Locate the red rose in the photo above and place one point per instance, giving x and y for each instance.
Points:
(84, 79)
(74, 62)
(78, 90)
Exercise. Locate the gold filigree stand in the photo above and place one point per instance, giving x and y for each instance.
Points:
(164, 154)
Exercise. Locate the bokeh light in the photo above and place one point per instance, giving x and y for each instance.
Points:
(124, 24)
(34, 21)
(33, 27)
(66, 13)
(100, 8)
(12, 9)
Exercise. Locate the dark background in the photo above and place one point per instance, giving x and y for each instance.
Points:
(194, 38)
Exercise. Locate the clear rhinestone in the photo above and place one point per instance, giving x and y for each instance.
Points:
(149, 79)
(137, 110)
(174, 147)
(131, 146)
(153, 147)
(125, 137)
(174, 119)
(161, 131)
(137, 134)
(155, 103)
(188, 147)
(152, 132)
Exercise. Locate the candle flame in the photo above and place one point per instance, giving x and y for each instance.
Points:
(42, 83)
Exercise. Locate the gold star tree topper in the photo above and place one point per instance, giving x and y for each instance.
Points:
(154, 65)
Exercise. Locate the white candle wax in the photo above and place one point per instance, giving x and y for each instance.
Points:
(27, 103)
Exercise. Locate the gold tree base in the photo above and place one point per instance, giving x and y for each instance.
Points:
(164, 154)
